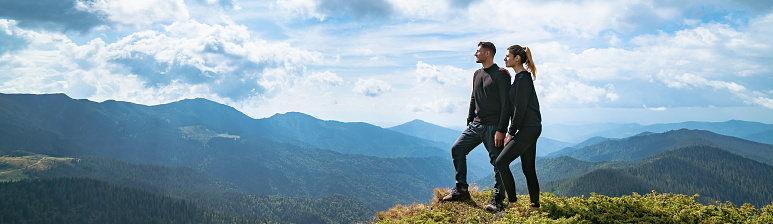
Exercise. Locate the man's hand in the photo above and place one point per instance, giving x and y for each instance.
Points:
(508, 138)
(499, 139)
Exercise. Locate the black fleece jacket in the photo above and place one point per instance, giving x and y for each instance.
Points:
(490, 103)
(523, 97)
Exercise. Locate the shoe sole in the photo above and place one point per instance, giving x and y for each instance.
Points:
(457, 199)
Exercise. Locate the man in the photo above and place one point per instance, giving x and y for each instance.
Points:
(487, 122)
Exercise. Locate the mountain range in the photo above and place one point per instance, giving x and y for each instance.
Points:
(753, 131)
(479, 164)
(647, 144)
(717, 167)
(232, 147)
(288, 166)
(712, 173)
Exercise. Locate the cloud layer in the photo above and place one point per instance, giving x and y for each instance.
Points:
(401, 59)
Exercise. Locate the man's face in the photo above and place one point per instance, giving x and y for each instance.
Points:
(481, 54)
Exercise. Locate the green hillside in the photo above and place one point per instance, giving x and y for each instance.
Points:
(735, 128)
(748, 130)
(191, 185)
(156, 179)
(350, 138)
(633, 208)
(642, 146)
(715, 174)
(549, 169)
(224, 143)
(75, 200)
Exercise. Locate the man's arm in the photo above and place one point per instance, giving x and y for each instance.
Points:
(503, 84)
(471, 112)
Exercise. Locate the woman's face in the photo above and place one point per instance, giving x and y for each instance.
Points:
(511, 60)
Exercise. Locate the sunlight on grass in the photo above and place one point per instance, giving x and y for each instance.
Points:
(650, 208)
(13, 168)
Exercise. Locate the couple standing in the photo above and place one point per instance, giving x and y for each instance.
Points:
(495, 103)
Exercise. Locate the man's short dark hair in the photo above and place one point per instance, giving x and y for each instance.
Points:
(489, 46)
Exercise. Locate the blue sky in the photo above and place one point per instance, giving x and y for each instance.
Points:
(387, 62)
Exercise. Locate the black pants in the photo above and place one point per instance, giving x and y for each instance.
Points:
(471, 138)
(523, 144)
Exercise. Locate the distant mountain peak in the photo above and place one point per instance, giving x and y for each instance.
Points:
(415, 123)
(293, 114)
(197, 100)
(418, 121)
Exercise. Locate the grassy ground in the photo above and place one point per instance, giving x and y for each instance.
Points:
(12, 168)
(649, 208)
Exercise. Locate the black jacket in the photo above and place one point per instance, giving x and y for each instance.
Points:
(523, 97)
(489, 103)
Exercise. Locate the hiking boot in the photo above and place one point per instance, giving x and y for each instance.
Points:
(494, 205)
(457, 194)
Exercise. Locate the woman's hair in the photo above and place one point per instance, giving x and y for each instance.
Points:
(525, 54)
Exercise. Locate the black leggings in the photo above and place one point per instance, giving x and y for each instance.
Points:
(523, 144)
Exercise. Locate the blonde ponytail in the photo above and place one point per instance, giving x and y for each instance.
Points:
(530, 63)
(525, 54)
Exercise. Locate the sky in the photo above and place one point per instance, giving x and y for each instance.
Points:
(387, 62)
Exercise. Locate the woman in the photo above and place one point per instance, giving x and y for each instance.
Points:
(525, 126)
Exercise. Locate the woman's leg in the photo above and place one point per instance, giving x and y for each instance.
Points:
(529, 169)
(520, 143)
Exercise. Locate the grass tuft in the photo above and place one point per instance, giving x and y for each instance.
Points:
(649, 208)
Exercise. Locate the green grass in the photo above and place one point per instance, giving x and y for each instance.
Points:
(14, 166)
(650, 208)
(14, 175)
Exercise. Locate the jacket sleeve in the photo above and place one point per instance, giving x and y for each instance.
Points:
(471, 112)
(524, 86)
(504, 97)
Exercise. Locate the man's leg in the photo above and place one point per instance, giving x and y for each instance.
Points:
(466, 142)
(493, 152)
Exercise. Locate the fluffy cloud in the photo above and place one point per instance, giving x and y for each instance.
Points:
(228, 4)
(141, 12)
(370, 9)
(218, 61)
(60, 15)
(371, 87)
(440, 74)
(83, 16)
(8, 41)
(224, 56)
(322, 79)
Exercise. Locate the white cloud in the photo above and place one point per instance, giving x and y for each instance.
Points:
(222, 61)
(442, 105)
(322, 79)
(371, 87)
(303, 8)
(264, 58)
(137, 12)
(440, 74)
(654, 108)
(571, 93)
(611, 94)
(765, 102)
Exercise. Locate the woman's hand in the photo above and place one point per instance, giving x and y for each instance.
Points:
(508, 74)
(508, 138)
